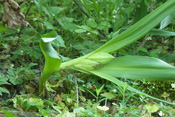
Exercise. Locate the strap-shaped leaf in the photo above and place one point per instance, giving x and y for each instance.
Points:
(141, 11)
(139, 68)
(133, 33)
(165, 22)
(161, 32)
(139, 29)
(52, 60)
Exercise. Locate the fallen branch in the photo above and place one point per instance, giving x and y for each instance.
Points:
(81, 8)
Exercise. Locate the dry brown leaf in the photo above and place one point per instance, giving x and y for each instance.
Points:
(172, 110)
(171, 64)
(59, 97)
(12, 15)
(14, 4)
(92, 87)
(29, 89)
(83, 99)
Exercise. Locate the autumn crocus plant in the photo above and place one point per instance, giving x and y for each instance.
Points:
(131, 67)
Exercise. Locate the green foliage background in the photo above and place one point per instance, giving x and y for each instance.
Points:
(21, 59)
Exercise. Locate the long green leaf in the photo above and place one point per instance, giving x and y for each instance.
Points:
(52, 60)
(152, 32)
(141, 11)
(165, 22)
(139, 29)
(8, 114)
(138, 68)
(128, 70)
(132, 34)
(161, 32)
(122, 84)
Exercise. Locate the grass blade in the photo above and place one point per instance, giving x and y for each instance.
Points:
(121, 83)
(139, 68)
(139, 29)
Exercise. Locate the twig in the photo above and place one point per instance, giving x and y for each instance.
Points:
(100, 31)
(22, 27)
(81, 8)
(143, 43)
(7, 35)
(76, 86)
(28, 9)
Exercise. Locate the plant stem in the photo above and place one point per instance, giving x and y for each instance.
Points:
(76, 86)
(81, 8)
(42, 84)
(65, 65)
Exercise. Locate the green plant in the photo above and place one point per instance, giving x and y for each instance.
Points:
(31, 102)
(3, 81)
(8, 114)
(83, 33)
(52, 62)
(98, 91)
(133, 67)
(21, 74)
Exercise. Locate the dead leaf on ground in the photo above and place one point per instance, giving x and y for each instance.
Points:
(12, 15)
(59, 97)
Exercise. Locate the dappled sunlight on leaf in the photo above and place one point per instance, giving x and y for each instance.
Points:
(165, 95)
(108, 95)
(151, 107)
(67, 114)
(146, 115)
(103, 108)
